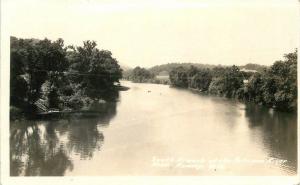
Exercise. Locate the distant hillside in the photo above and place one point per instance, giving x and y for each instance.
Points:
(126, 73)
(125, 67)
(166, 68)
(256, 67)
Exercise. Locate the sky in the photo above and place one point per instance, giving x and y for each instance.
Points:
(152, 32)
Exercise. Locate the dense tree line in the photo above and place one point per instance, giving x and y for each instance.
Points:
(159, 73)
(143, 75)
(156, 70)
(59, 76)
(275, 86)
(139, 75)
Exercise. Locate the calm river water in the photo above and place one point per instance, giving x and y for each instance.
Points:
(158, 130)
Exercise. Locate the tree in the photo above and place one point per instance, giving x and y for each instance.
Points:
(191, 71)
(179, 77)
(227, 81)
(201, 80)
(44, 71)
(285, 76)
(18, 84)
(32, 63)
(233, 80)
(217, 86)
(276, 86)
(139, 75)
(94, 70)
(254, 88)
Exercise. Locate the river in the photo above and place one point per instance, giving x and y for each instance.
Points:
(157, 130)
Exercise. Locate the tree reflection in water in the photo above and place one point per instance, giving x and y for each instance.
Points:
(277, 131)
(44, 148)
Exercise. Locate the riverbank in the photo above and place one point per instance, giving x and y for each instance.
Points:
(48, 76)
(275, 87)
(91, 108)
(151, 81)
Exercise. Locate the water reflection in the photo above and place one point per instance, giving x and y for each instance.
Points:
(277, 131)
(47, 148)
(164, 122)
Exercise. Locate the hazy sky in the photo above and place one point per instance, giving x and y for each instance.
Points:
(151, 32)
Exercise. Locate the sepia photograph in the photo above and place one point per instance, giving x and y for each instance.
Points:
(167, 88)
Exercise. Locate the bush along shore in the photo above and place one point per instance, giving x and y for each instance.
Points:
(275, 86)
(49, 76)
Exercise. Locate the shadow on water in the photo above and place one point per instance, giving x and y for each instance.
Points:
(278, 132)
(47, 147)
(274, 131)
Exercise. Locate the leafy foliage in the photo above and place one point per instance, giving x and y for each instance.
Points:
(32, 63)
(48, 71)
(139, 75)
(179, 77)
(93, 70)
(274, 87)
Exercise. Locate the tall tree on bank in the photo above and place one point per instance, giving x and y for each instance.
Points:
(93, 70)
(32, 63)
(179, 77)
(283, 77)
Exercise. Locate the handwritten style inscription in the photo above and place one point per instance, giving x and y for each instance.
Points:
(211, 164)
